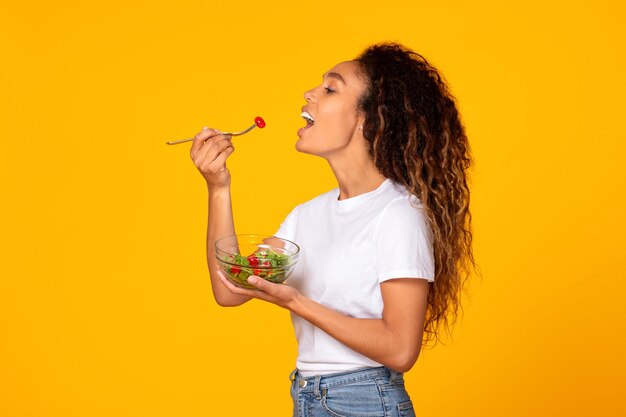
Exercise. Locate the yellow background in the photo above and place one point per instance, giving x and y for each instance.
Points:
(105, 304)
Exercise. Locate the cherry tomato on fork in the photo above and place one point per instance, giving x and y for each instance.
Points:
(259, 122)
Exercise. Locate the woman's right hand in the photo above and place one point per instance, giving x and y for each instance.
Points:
(209, 152)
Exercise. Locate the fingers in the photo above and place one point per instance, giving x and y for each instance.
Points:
(220, 160)
(265, 290)
(235, 289)
(213, 146)
(200, 139)
(212, 157)
(208, 146)
(244, 291)
(260, 283)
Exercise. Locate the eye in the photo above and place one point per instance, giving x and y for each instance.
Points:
(328, 90)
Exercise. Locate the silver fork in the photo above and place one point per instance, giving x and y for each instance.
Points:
(258, 121)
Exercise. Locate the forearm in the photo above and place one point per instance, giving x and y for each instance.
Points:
(220, 224)
(378, 339)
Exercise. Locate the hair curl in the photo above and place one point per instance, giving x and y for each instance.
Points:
(417, 139)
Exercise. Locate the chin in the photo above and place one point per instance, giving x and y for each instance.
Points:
(300, 148)
(307, 151)
(311, 146)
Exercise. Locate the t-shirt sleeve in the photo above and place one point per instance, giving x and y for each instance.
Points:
(404, 244)
(288, 227)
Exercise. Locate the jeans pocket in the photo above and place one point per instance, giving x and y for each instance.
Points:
(405, 409)
(360, 399)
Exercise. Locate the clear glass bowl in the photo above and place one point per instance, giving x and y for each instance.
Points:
(268, 257)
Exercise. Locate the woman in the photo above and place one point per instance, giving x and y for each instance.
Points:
(386, 253)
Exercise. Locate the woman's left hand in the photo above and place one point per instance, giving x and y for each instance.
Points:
(280, 294)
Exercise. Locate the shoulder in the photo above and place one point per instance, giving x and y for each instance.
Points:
(402, 212)
(400, 202)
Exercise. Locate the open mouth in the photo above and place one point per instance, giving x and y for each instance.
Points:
(309, 119)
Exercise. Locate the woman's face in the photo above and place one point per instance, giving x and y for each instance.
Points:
(332, 105)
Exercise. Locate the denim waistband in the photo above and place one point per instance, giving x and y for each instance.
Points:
(317, 382)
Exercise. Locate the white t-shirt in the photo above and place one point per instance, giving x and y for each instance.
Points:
(348, 248)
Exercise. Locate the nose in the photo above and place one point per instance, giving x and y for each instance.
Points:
(308, 96)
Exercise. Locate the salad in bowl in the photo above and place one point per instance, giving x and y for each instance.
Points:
(268, 257)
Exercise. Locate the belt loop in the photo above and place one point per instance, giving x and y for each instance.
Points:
(393, 375)
(292, 375)
(316, 387)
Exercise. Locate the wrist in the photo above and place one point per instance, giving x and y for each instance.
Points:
(218, 190)
(296, 305)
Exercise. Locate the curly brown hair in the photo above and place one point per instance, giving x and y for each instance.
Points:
(417, 139)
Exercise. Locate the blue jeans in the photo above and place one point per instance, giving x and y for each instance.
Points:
(368, 392)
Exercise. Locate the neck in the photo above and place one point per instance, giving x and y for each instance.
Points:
(355, 173)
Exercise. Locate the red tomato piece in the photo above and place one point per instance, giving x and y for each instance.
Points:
(253, 260)
(259, 122)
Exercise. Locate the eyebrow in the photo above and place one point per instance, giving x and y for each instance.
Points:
(334, 75)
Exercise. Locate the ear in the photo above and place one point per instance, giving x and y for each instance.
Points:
(360, 123)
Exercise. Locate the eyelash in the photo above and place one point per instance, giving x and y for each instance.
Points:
(328, 90)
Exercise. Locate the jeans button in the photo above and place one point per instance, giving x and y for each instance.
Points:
(302, 383)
